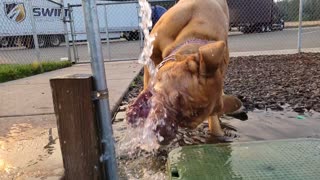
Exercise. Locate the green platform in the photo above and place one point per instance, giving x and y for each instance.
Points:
(281, 159)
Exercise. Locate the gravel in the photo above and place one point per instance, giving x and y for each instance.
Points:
(271, 81)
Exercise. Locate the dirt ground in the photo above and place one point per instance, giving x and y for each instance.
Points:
(281, 96)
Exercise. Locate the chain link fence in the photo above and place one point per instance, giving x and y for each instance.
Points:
(32, 31)
(271, 26)
(311, 17)
(48, 31)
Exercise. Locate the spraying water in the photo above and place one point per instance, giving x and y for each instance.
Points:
(142, 138)
(145, 25)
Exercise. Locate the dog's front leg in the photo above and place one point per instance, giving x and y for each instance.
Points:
(146, 78)
(214, 126)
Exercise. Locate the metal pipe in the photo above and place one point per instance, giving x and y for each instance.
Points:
(103, 110)
(34, 31)
(107, 31)
(113, 60)
(66, 34)
(140, 30)
(73, 34)
(300, 26)
(60, 4)
(124, 2)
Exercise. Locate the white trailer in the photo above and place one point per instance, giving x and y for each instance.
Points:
(121, 18)
(21, 19)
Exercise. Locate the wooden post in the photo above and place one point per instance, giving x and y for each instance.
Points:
(77, 126)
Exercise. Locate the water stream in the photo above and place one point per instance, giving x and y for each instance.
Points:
(145, 25)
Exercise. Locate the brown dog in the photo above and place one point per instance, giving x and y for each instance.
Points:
(191, 55)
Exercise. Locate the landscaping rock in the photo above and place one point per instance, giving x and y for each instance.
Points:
(123, 108)
(120, 116)
(271, 81)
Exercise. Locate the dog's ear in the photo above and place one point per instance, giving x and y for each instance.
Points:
(230, 104)
(211, 56)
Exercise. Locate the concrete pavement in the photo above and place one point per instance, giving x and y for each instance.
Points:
(29, 144)
(273, 52)
(274, 41)
(32, 95)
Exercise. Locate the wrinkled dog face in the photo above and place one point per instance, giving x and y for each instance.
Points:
(183, 93)
(187, 95)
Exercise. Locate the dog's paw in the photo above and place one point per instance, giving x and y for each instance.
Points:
(227, 126)
(224, 139)
(229, 135)
(219, 139)
(240, 114)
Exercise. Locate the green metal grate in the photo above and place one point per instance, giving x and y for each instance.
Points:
(296, 159)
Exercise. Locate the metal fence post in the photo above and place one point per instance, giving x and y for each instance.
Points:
(66, 34)
(300, 25)
(107, 32)
(73, 34)
(97, 64)
(140, 29)
(34, 32)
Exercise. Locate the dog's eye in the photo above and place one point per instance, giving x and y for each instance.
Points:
(196, 112)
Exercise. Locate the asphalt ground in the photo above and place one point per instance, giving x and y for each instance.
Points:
(244, 44)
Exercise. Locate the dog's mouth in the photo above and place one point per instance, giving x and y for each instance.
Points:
(139, 110)
(149, 111)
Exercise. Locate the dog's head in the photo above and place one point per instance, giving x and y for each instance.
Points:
(184, 92)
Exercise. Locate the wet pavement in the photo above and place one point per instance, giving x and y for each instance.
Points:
(272, 125)
(261, 125)
(29, 148)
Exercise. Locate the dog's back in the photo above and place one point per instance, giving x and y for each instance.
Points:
(201, 19)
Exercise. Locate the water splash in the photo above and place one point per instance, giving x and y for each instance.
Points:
(145, 25)
(142, 140)
(134, 145)
(138, 139)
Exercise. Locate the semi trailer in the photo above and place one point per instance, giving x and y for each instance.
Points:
(21, 19)
(255, 15)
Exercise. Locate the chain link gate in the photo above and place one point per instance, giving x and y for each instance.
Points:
(119, 30)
